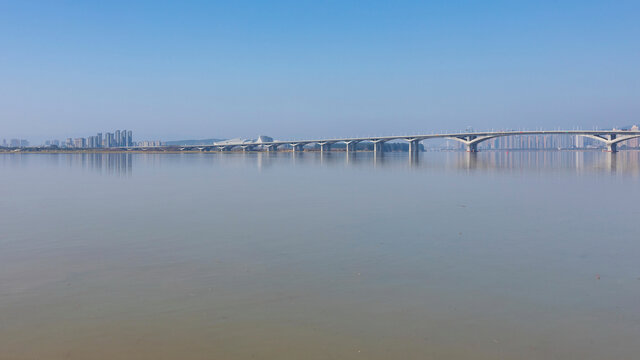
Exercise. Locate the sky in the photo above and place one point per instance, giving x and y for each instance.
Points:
(308, 69)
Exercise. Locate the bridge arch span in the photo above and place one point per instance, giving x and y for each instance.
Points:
(612, 141)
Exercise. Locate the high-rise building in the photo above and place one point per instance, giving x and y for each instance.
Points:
(99, 140)
(117, 138)
(129, 138)
(108, 140)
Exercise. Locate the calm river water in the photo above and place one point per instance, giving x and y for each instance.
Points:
(495, 255)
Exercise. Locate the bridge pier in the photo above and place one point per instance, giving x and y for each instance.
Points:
(297, 147)
(414, 145)
(378, 146)
(325, 147)
(612, 146)
(350, 145)
(471, 145)
(271, 148)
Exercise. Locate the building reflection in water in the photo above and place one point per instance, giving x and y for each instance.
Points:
(119, 164)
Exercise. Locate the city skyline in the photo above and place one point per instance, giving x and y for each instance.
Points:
(608, 139)
(114, 140)
(117, 138)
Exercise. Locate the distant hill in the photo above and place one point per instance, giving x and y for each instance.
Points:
(193, 142)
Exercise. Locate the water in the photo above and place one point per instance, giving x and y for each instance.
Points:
(519, 255)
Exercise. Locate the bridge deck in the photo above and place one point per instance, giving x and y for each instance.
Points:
(419, 137)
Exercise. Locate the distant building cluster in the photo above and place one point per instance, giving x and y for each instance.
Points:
(15, 143)
(119, 138)
(116, 139)
(150, 143)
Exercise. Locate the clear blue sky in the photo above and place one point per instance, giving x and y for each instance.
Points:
(197, 69)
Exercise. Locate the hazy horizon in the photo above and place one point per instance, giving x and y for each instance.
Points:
(194, 70)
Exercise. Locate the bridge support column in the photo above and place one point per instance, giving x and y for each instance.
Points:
(325, 147)
(351, 146)
(272, 148)
(472, 147)
(297, 147)
(414, 146)
(611, 146)
(378, 146)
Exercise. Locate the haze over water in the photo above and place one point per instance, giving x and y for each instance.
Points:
(495, 255)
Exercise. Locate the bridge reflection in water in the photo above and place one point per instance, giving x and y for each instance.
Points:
(490, 161)
(578, 161)
(627, 162)
(122, 164)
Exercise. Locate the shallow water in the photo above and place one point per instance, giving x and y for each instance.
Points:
(495, 255)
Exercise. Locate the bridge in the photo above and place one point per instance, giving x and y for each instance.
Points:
(609, 138)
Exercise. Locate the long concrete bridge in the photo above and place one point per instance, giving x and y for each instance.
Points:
(609, 138)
